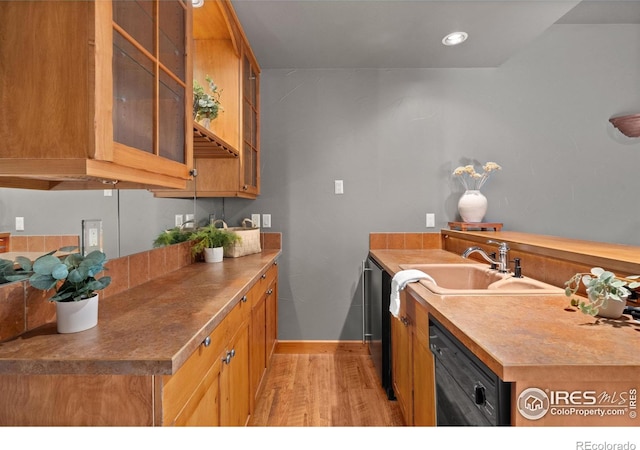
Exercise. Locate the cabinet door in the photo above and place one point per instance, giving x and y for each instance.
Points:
(258, 342)
(272, 319)
(424, 412)
(203, 408)
(234, 381)
(402, 369)
(250, 162)
(150, 77)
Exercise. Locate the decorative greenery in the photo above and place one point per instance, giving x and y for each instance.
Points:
(72, 276)
(206, 106)
(212, 237)
(602, 286)
(172, 236)
(472, 180)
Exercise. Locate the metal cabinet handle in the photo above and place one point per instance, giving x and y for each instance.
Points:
(207, 341)
(405, 321)
(227, 359)
(233, 352)
(270, 291)
(244, 299)
(264, 275)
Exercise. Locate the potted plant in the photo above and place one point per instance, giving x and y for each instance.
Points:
(212, 241)
(206, 106)
(606, 293)
(174, 235)
(73, 279)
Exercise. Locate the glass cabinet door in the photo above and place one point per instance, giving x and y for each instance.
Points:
(149, 76)
(250, 145)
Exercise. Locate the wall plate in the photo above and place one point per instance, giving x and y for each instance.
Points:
(91, 236)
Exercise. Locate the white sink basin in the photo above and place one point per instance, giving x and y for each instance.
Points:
(478, 279)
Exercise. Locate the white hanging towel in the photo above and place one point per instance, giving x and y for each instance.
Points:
(399, 282)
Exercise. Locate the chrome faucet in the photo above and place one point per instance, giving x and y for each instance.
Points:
(502, 263)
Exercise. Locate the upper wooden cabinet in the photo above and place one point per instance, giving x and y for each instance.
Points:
(227, 149)
(96, 92)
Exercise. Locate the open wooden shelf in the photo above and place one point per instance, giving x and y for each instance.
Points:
(483, 226)
(208, 145)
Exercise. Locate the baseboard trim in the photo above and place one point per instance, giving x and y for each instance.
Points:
(329, 347)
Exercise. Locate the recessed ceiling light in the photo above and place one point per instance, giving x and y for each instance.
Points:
(455, 38)
(197, 3)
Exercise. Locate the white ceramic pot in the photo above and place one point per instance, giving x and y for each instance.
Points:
(212, 255)
(77, 316)
(472, 206)
(612, 309)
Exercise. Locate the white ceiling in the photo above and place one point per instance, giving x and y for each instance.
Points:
(408, 33)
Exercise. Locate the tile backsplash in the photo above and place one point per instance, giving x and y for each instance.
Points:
(23, 308)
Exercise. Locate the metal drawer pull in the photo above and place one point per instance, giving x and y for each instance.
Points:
(264, 275)
(227, 359)
(244, 299)
(270, 291)
(207, 341)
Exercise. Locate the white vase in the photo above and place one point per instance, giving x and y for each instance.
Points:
(77, 316)
(612, 309)
(212, 255)
(472, 206)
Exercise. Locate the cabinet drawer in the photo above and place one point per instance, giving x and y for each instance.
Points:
(264, 283)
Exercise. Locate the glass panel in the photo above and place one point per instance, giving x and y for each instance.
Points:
(246, 122)
(171, 117)
(133, 83)
(254, 128)
(171, 18)
(136, 18)
(246, 160)
(246, 74)
(253, 80)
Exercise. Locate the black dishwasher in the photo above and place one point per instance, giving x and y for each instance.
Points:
(376, 326)
(467, 391)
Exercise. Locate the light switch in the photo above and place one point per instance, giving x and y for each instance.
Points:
(339, 186)
(266, 220)
(19, 223)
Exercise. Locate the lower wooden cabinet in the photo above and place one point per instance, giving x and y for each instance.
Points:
(263, 326)
(412, 363)
(218, 384)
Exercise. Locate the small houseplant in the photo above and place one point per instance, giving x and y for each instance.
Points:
(212, 241)
(206, 106)
(606, 293)
(73, 279)
(174, 235)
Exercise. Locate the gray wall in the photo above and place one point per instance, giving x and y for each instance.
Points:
(394, 137)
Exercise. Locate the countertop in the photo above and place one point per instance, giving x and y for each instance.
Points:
(530, 337)
(148, 330)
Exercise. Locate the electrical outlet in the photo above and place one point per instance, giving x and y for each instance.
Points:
(91, 235)
(178, 220)
(108, 192)
(189, 220)
(431, 220)
(338, 186)
(19, 223)
(255, 218)
(266, 220)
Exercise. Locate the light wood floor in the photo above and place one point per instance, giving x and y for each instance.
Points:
(323, 390)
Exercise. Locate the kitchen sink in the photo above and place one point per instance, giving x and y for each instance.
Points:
(478, 279)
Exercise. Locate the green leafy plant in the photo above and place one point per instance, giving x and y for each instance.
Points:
(601, 286)
(206, 106)
(212, 237)
(73, 276)
(174, 235)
